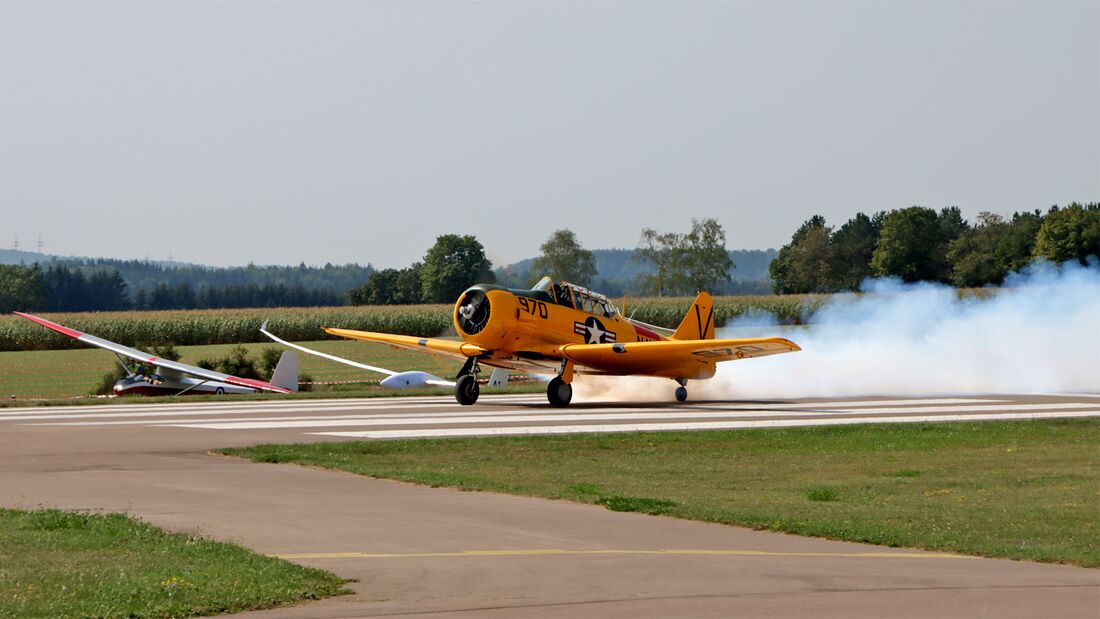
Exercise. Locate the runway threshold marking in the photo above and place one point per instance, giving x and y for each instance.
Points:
(559, 551)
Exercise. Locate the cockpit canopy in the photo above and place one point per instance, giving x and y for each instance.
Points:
(577, 297)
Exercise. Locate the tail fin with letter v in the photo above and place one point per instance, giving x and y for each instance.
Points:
(698, 324)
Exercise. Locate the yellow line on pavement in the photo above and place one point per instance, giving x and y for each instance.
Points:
(557, 551)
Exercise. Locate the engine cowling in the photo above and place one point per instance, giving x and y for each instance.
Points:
(481, 315)
(472, 312)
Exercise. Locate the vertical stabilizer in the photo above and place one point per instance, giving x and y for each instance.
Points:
(286, 372)
(499, 378)
(698, 324)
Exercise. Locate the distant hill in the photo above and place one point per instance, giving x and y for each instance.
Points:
(15, 256)
(617, 273)
(252, 285)
(27, 258)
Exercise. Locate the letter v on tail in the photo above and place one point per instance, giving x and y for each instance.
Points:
(698, 323)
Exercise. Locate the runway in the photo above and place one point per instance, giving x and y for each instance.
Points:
(405, 417)
(418, 551)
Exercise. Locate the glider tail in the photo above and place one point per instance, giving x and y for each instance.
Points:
(286, 372)
(698, 324)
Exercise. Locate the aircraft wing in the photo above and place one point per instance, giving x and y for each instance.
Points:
(399, 378)
(145, 357)
(447, 348)
(671, 357)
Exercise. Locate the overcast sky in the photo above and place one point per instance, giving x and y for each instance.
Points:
(278, 132)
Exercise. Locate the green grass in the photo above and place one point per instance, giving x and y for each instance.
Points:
(66, 564)
(1022, 490)
(75, 373)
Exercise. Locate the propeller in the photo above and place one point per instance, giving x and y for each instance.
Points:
(473, 312)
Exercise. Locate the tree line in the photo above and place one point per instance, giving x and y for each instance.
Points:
(913, 244)
(676, 264)
(58, 288)
(454, 263)
(921, 244)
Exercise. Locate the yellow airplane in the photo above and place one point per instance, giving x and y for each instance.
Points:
(563, 329)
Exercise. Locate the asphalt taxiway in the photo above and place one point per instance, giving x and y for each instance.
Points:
(439, 552)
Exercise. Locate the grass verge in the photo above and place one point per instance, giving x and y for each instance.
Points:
(26, 377)
(1022, 490)
(68, 564)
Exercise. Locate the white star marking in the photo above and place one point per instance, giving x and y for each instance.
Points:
(594, 334)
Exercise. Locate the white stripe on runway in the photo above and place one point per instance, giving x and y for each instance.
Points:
(635, 414)
(412, 401)
(181, 411)
(249, 404)
(702, 425)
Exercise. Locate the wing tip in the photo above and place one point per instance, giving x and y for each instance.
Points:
(49, 324)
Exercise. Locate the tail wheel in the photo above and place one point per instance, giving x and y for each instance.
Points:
(681, 394)
(559, 392)
(466, 389)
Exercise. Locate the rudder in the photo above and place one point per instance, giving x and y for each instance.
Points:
(698, 324)
(286, 372)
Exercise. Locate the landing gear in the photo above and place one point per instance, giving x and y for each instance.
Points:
(559, 392)
(467, 389)
(681, 391)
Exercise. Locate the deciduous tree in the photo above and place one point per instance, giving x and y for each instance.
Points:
(705, 262)
(803, 264)
(664, 252)
(1070, 233)
(563, 258)
(21, 289)
(976, 256)
(851, 249)
(913, 243)
(452, 265)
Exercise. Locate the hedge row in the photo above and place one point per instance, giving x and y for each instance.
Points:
(197, 327)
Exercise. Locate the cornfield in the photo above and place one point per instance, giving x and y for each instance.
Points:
(199, 327)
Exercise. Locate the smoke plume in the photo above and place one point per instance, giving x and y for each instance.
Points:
(1039, 333)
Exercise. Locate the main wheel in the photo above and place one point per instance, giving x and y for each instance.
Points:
(466, 389)
(220, 391)
(559, 392)
(681, 394)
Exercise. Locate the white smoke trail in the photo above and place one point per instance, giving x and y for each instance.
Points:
(1040, 333)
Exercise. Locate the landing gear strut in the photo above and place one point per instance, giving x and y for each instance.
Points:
(559, 392)
(681, 391)
(466, 387)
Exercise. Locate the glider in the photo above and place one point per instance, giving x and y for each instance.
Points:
(393, 380)
(563, 329)
(175, 378)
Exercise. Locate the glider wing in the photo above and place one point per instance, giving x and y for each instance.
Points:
(397, 379)
(145, 357)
